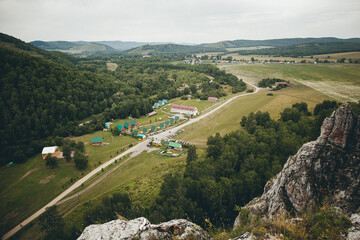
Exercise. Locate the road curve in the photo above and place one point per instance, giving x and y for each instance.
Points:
(137, 149)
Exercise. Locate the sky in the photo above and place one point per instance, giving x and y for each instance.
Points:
(179, 21)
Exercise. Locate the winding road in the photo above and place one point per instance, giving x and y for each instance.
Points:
(134, 151)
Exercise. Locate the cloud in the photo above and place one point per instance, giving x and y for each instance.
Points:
(177, 21)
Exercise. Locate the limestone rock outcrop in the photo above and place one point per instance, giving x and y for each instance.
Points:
(326, 168)
(141, 228)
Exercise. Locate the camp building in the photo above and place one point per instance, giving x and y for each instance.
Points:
(97, 141)
(174, 145)
(52, 151)
(121, 128)
(133, 123)
(127, 125)
(184, 109)
(141, 137)
(212, 99)
(156, 142)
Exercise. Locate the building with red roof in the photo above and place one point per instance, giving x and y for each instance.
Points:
(184, 109)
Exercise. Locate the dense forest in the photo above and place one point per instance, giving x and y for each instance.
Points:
(307, 49)
(48, 95)
(233, 172)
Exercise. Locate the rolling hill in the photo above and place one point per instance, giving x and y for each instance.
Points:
(171, 49)
(274, 42)
(74, 48)
(10, 43)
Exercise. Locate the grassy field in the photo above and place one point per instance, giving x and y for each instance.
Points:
(141, 177)
(25, 188)
(336, 56)
(330, 57)
(228, 118)
(338, 81)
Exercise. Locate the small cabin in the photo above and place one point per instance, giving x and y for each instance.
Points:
(167, 123)
(156, 142)
(175, 146)
(120, 128)
(127, 125)
(145, 130)
(97, 141)
(177, 118)
(151, 114)
(153, 128)
(133, 123)
(136, 133)
(53, 151)
(141, 137)
(172, 120)
(161, 125)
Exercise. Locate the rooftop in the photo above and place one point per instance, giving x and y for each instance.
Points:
(49, 150)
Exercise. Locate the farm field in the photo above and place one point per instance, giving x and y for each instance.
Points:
(228, 118)
(338, 81)
(330, 57)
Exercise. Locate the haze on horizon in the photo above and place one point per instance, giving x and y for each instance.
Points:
(185, 21)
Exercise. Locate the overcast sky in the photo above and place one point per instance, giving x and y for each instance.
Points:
(180, 21)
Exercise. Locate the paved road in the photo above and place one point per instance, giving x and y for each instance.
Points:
(136, 150)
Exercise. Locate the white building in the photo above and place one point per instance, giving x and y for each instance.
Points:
(184, 109)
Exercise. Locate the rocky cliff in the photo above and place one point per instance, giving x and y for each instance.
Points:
(141, 228)
(326, 168)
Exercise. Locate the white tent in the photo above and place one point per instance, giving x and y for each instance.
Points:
(49, 150)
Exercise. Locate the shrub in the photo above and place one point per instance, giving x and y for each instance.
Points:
(51, 162)
(80, 160)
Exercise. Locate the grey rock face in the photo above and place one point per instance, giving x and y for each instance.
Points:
(141, 228)
(354, 231)
(328, 167)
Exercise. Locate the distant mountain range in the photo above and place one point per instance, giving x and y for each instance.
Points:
(274, 42)
(144, 48)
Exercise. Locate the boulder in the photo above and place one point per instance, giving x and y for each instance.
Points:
(141, 228)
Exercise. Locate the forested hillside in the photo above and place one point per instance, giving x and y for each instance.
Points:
(306, 49)
(171, 48)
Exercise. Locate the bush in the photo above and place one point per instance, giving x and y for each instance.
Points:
(51, 162)
(80, 160)
(184, 98)
(270, 94)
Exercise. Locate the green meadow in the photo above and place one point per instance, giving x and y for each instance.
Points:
(338, 81)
